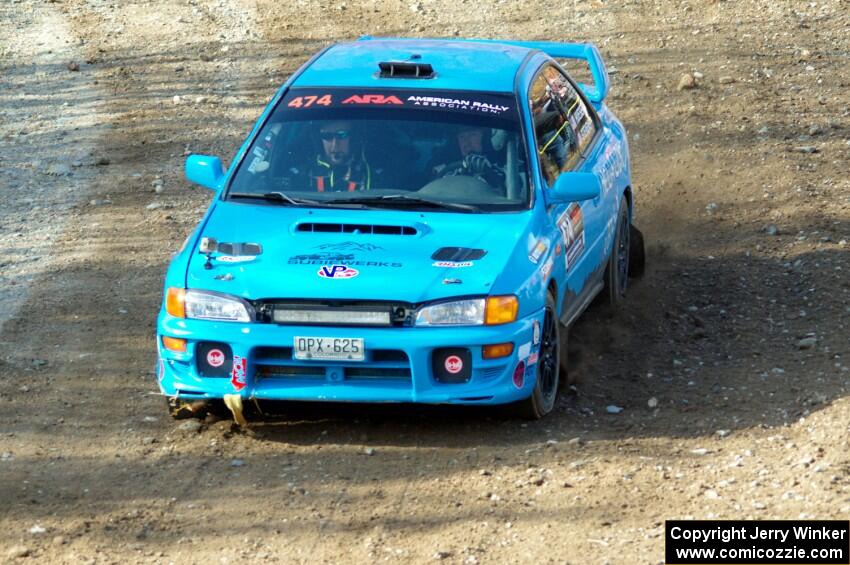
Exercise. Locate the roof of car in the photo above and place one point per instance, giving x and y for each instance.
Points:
(457, 64)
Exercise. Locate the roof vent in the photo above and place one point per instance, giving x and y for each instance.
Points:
(405, 69)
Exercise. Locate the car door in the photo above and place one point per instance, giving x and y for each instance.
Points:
(567, 132)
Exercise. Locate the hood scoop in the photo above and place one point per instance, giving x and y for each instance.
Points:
(458, 254)
(315, 227)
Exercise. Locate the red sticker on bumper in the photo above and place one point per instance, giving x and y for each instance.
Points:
(238, 376)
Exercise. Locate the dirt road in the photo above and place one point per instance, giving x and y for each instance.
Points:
(730, 360)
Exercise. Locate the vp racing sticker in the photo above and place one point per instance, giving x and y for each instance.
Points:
(571, 224)
(337, 272)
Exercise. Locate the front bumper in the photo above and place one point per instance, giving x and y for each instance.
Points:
(398, 365)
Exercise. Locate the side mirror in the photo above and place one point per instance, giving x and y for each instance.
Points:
(205, 171)
(573, 187)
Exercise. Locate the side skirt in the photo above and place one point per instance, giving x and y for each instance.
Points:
(575, 305)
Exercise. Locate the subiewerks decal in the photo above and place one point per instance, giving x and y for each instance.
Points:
(571, 224)
(341, 254)
(336, 259)
(337, 272)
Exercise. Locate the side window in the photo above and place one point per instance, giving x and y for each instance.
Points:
(563, 125)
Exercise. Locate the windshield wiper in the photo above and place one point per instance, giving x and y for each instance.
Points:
(276, 197)
(390, 199)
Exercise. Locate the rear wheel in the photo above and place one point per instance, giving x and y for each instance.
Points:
(542, 399)
(617, 270)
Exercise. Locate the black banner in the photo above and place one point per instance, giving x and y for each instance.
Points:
(757, 542)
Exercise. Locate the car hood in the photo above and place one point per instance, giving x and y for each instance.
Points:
(337, 254)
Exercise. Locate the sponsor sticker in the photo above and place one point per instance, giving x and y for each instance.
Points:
(235, 258)
(348, 246)
(536, 335)
(454, 364)
(337, 272)
(546, 270)
(458, 104)
(451, 264)
(532, 359)
(238, 375)
(538, 251)
(524, 350)
(571, 225)
(215, 357)
(372, 99)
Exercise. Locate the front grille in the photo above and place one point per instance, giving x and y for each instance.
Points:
(380, 365)
(401, 314)
(372, 373)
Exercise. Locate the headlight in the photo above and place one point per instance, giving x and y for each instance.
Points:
(460, 312)
(206, 305)
(471, 312)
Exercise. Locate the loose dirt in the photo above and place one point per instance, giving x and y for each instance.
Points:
(729, 410)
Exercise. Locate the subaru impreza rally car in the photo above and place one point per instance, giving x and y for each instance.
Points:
(408, 221)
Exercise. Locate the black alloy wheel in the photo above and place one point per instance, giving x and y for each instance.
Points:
(617, 269)
(545, 393)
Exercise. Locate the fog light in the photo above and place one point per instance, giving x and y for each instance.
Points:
(174, 344)
(519, 374)
(497, 350)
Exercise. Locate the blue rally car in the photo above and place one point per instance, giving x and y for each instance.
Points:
(408, 221)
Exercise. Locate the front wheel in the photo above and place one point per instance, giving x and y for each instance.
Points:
(617, 269)
(542, 399)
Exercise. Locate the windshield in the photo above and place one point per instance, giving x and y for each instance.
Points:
(389, 148)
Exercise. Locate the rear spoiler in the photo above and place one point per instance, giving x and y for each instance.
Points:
(584, 51)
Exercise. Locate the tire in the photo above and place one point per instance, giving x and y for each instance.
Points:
(637, 253)
(545, 393)
(566, 377)
(617, 269)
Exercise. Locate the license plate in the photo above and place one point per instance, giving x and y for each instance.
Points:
(329, 348)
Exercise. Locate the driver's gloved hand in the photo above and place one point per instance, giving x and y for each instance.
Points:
(477, 164)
